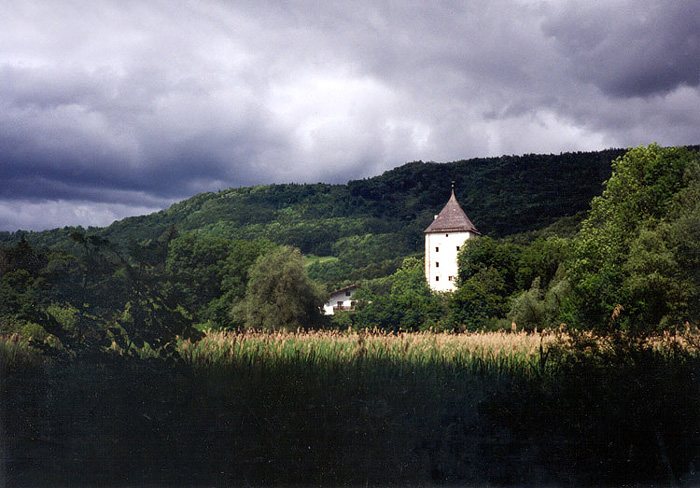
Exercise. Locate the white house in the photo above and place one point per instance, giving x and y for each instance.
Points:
(341, 299)
(443, 239)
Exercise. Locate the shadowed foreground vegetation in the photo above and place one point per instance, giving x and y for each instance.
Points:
(356, 408)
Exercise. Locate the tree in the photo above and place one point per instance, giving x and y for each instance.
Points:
(279, 294)
(195, 261)
(683, 238)
(478, 255)
(234, 276)
(539, 307)
(626, 269)
(210, 272)
(129, 298)
(21, 256)
(487, 276)
(541, 259)
(410, 305)
(478, 300)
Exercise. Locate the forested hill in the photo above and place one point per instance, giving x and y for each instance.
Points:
(503, 195)
(197, 254)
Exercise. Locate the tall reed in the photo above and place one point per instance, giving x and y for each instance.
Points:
(494, 350)
(16, 353)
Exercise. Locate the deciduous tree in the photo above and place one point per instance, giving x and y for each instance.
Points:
(279, 294)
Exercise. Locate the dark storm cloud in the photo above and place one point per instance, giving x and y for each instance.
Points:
(634, 48)
(115, 108)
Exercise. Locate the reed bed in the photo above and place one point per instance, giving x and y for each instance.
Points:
(330, 408)
(687, 341)
(16, 353)
(496, 353)
(420, 348)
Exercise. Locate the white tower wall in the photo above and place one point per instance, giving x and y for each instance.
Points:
(441, 251)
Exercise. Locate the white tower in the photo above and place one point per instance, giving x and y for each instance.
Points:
(443, 239)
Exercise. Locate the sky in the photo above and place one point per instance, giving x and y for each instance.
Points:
(117, 108)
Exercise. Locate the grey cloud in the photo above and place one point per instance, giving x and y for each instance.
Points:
(634, 49)
(30, 215)
(134, 104)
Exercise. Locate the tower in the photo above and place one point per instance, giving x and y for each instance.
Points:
(443, 240)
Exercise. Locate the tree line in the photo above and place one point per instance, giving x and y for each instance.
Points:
(369, 224)
(630, 263)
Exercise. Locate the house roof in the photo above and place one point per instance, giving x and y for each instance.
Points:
(452, 219)
(345, 288)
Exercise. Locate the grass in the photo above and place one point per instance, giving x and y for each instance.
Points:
(219, 348)
(16, 353)
(519, 353)
(361, 408)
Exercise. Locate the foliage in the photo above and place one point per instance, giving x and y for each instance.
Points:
(385, 214)
(539, 307)
(542, 258)
(409, 305)
(195, 260)
(17, 354)
(527, 310)
(89, 301)
(630, 266)
(329, 270)
(479, 300)
(234, 279)
(488, 274)
(146, 280)
(209, 273)
(483, 253)
(625, 270)
(279, 294)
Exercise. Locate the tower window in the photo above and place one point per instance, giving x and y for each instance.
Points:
(437, 249)
(450, 278)
(458, 248)
(437, 278)
(447, 235)
(437, 265)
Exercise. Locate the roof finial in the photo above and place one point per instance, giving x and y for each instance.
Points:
(453, 186)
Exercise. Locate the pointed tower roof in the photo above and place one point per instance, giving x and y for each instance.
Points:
(452, 218)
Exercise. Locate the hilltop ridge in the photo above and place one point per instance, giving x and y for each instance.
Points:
(504, 195)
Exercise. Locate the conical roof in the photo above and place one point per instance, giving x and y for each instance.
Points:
(452, 219)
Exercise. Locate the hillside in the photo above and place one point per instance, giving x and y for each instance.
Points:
(207, 260)
(503, 196)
